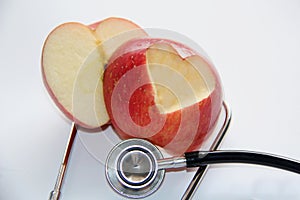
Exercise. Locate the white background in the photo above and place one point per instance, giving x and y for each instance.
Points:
(255, 46)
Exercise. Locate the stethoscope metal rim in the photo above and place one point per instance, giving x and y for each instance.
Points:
(118, 180)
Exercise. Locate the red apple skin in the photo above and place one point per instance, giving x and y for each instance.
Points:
(179, 131)
(95, 25)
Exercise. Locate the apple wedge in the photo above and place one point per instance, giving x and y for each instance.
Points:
(162, 91)
(73, 60)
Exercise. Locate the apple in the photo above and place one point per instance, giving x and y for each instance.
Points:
(73, 60)
(162, 91)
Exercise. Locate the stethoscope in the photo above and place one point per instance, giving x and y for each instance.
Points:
(135, 168)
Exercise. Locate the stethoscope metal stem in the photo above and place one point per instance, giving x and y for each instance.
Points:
(171, 163)
(55, 193)
(195, 182)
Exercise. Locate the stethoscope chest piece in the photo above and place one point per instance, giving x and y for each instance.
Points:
(132, 169)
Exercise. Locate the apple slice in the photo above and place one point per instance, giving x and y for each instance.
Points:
(73, 60)
(162, 91)
(113, 32)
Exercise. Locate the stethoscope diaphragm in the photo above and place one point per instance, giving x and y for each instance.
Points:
(132, 170)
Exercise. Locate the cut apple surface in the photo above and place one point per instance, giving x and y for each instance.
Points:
(152, 92)
(73, 60)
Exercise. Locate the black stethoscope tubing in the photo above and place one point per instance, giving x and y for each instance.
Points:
(198, 158)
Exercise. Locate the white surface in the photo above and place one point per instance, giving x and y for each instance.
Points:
(255, 46)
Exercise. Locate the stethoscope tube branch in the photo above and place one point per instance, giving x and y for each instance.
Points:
(200, 158)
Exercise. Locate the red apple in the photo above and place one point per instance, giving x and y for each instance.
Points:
(162, 91)
(73, 60)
